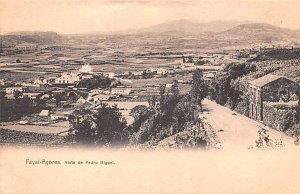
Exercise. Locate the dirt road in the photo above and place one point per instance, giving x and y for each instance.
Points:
(236, 131)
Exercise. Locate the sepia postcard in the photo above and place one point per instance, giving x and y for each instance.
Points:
(149, 96)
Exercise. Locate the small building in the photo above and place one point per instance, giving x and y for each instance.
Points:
(109, 74)
(81, 100)
(59, 116)
(269, 88)
(2, 82)
(120, 91)
(68, 78)
(12, 90)
(159, 71)
(38, 81)
(100, 97)
(208, 77)
(86, 68)
(32, 95)
(87, 76)
(96, 91)
(44, 113)
(137, 73)
(185, 65)
(169, 86)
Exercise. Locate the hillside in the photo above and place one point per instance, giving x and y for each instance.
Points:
(257, 31)
(190, 26)
(15, 38)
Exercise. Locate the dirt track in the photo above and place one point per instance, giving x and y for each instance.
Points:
(240, 132)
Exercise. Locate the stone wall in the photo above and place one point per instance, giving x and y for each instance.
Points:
(275, 116)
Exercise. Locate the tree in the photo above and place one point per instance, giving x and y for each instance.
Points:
(174, 89)
(190, 59)
(138, 111)
(184, 111)
(85, 132)
(95, 82)
(199, 89)
(110, 125)
(104, 127)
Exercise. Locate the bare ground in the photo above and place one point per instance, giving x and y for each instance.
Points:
(236, 131)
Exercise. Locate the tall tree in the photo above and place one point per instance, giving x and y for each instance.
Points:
(199, 89)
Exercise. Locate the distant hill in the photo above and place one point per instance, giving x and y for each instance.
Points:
(223, 30)
(278, 54)
(190, 26)
(258, 31)
(15, 38)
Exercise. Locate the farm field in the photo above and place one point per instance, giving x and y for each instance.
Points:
(47, 129)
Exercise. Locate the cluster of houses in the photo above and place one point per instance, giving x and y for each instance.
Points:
(46, 88)
(66, 78)
(97, 96)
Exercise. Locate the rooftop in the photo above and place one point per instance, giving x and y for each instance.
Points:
(264, 80)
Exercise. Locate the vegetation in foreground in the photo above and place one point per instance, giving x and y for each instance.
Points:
(171, 116)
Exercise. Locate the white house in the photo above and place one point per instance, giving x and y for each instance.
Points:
(100, 97)
(159, 71)
(137, 73)
(38, 81)
(59, 116)
(68, 78)
(96, 91)
(89, 76)
(169, 85)
(86, 68)
(32, 95)
(109, 74)
(120, 91)
(44, 113)
(11, 90)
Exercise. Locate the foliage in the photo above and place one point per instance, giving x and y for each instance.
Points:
(96, 82)
(288, 120)
(138, 111)
(228, 86)
(185, 111)
(191, 138)
(14, 109)
(265, 142)
(166, 116)
(106, 126)
(199, 89)
(279, 54)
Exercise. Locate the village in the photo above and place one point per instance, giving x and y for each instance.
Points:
(53, 93)
(119, 90)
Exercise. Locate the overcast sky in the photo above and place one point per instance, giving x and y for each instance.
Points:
(81, 16)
